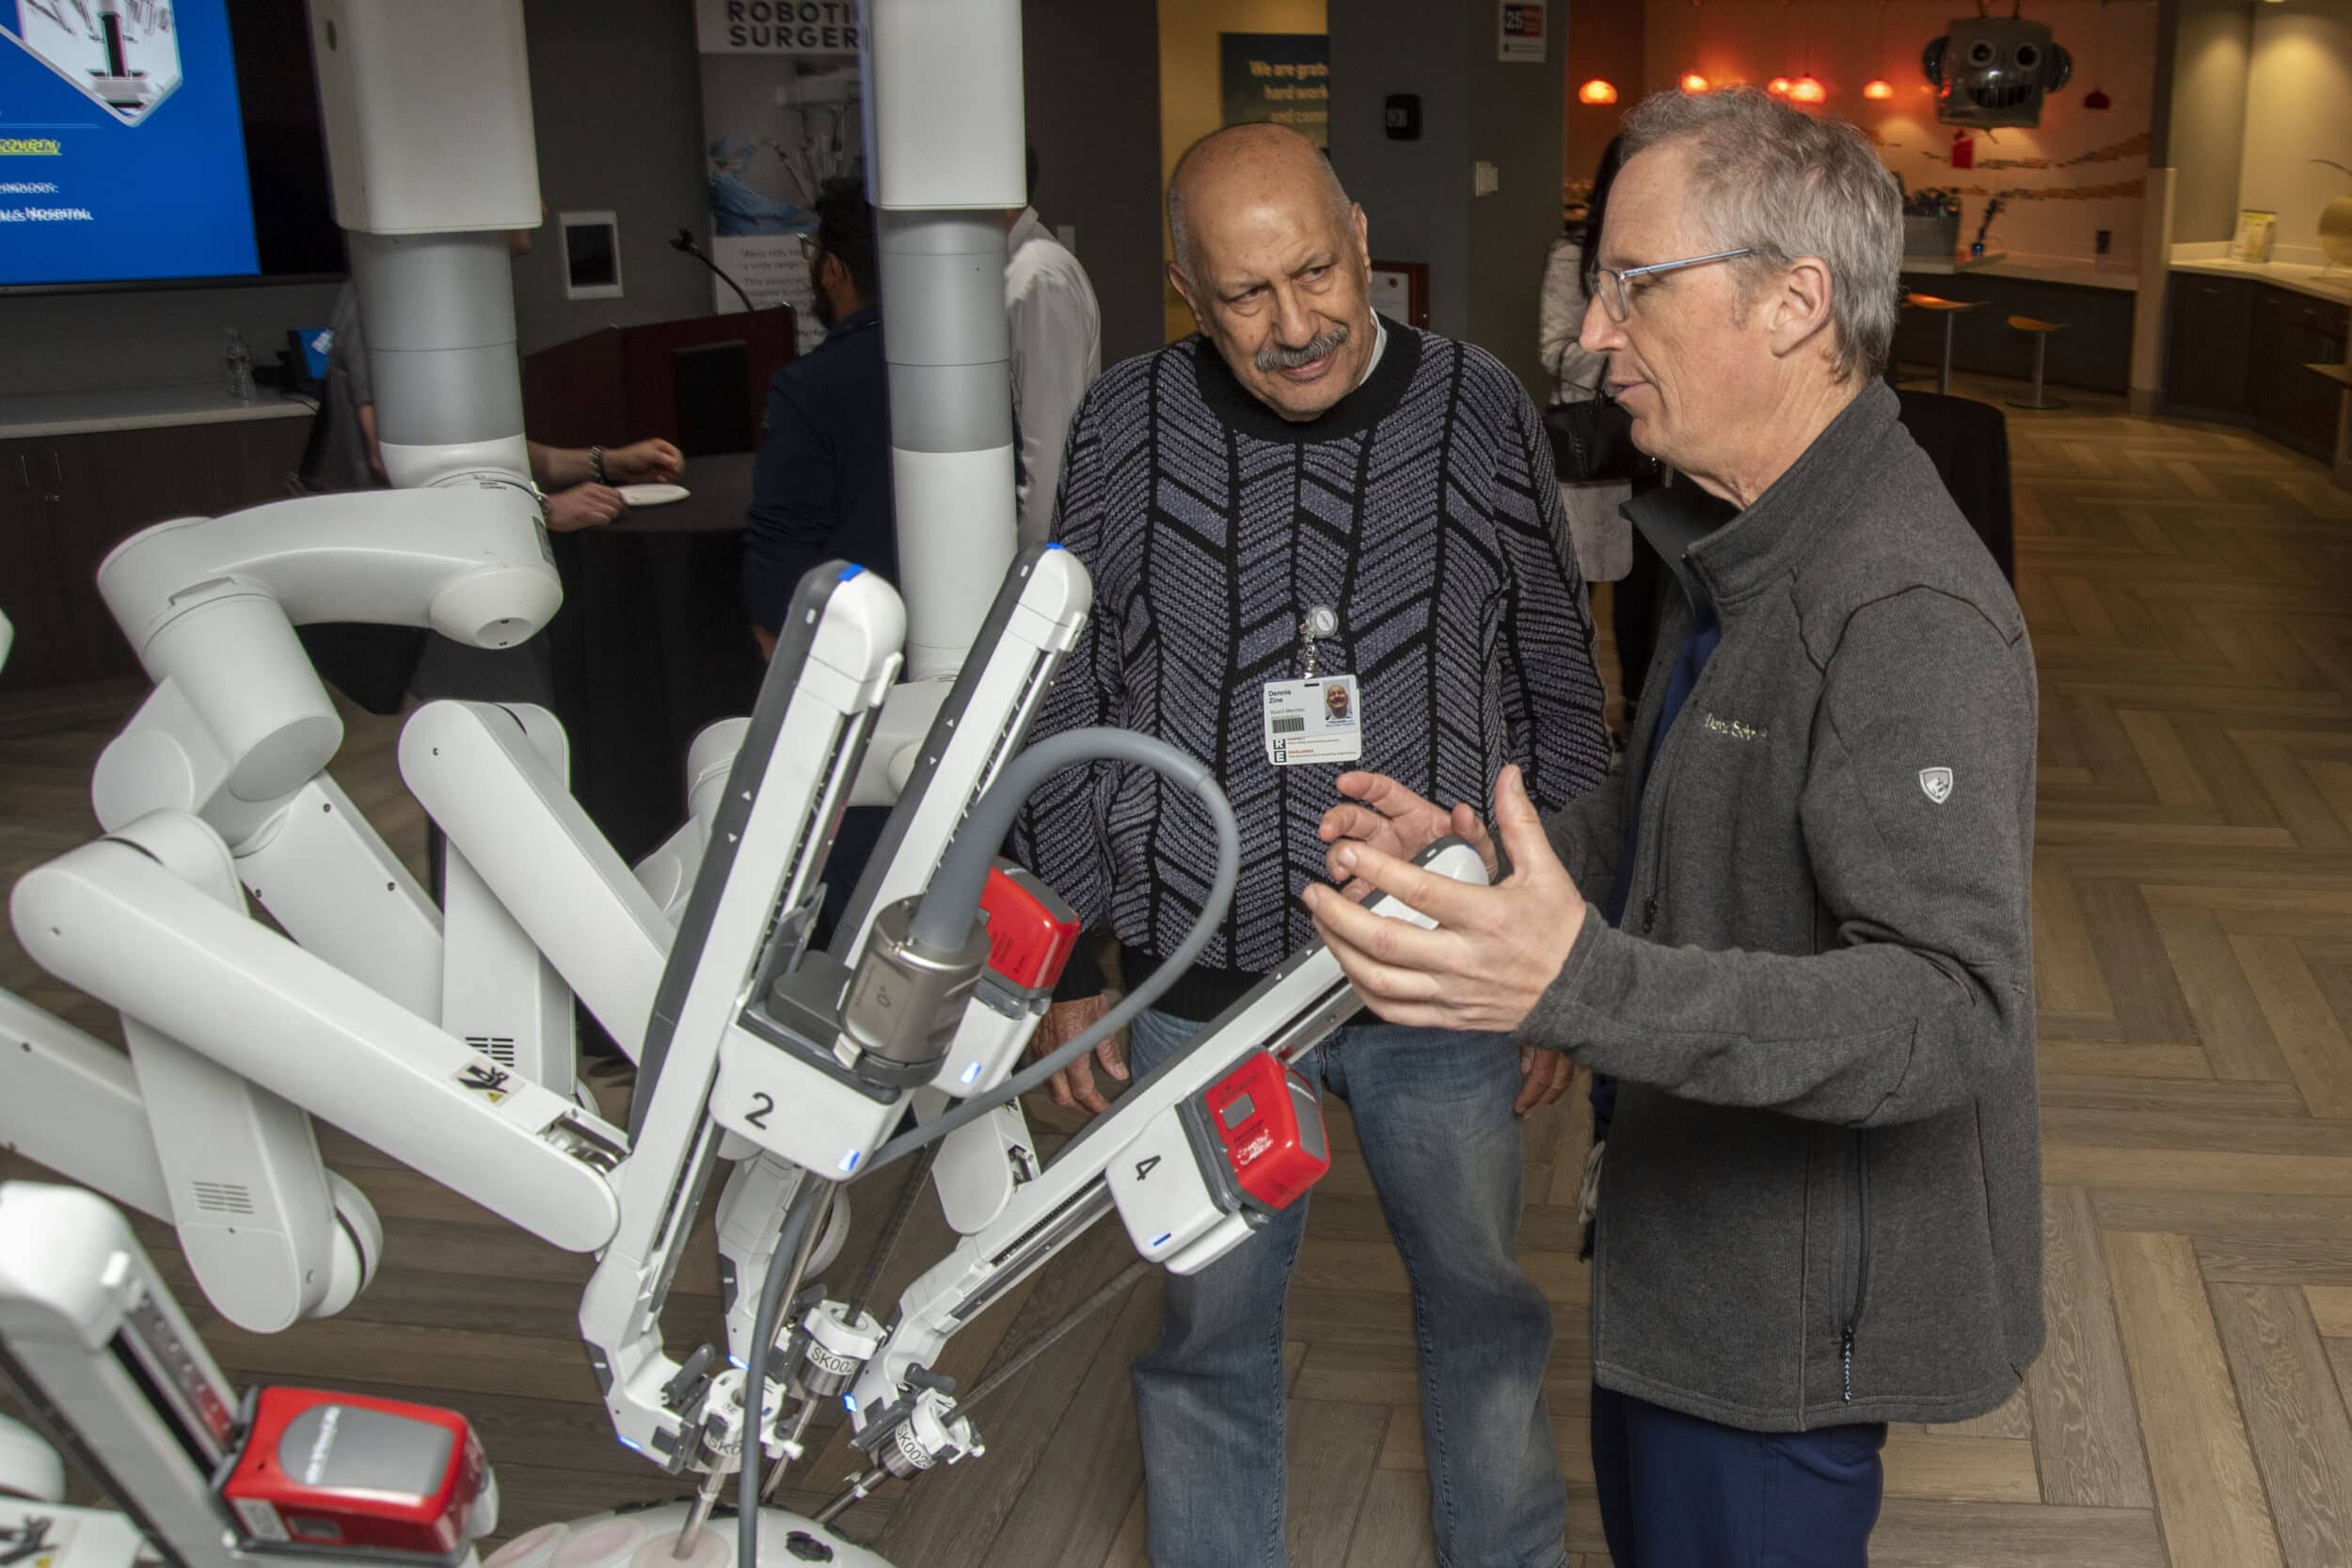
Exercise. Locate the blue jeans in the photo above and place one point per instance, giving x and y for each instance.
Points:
(1678, 1491)
(1433, 1111)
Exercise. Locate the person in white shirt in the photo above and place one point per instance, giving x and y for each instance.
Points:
(1056, 332)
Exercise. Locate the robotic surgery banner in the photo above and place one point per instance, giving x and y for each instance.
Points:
(121, 145)
(783, 113)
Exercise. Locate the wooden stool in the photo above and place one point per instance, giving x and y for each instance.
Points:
(1950, 310)
(2041, 330)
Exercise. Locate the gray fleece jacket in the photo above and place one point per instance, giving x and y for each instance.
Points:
(1821, 1197)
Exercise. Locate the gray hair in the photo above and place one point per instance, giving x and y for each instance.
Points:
(1213, 144)
(1784, 183)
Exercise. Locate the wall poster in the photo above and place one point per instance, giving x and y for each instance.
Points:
(1521, 42)
(1277, 79)
(782, 112)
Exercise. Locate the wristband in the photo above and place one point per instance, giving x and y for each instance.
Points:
(595, 464)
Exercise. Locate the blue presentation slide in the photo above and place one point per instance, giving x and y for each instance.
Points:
(122, 151)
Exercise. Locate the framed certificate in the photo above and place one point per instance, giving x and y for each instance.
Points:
(1400, 291)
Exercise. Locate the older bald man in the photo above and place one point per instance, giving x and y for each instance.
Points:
(1305, 501)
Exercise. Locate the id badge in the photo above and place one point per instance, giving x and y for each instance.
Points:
(1317, 719)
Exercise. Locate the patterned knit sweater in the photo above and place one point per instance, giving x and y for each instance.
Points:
(1422, 508)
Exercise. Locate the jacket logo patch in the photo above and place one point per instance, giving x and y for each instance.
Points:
(1937, 781)
(1733, 728)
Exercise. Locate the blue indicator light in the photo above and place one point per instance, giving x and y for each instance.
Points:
(1057, 547)
(848, 1160)
(849, 571)
(972, 1073)
(848, 1403)
(1160, 1238)
(634, 1447)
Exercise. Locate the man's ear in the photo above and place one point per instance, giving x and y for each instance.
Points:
(831, 272)
(1183, 285)
(1363, 232)
(1798, 304)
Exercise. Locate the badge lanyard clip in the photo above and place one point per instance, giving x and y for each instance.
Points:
(1317, 623)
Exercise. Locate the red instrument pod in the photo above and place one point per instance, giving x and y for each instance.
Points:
(1272, 1129)
(1031, 932)
(329, 1473)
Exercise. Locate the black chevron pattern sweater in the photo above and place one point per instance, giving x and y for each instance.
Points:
(1422, 508)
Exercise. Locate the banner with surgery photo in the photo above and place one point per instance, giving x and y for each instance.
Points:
(782, 113)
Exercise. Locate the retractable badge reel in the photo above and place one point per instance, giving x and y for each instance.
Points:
(1316, 718)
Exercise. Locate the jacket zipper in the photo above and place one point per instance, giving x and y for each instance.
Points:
(1862, 1252)
(1653, 840)
(1656, 862)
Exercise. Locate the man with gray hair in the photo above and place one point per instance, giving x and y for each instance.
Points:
(1319, 541)
(1793, 930)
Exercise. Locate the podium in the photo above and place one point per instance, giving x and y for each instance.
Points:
(703, 383)
(652, 642)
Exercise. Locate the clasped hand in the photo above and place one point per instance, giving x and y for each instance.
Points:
(1495, 949)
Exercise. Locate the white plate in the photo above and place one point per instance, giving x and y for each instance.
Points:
(653, 495)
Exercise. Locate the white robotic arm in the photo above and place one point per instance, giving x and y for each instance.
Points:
(100, 1355)
(109, 918)
(1173, 1184)
(753, 896)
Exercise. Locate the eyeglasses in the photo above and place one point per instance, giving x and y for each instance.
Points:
(810, 251)
(1619, 303)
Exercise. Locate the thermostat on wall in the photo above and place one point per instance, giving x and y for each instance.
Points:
(1401, 119)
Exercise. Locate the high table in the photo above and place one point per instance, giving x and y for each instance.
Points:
(651, 645)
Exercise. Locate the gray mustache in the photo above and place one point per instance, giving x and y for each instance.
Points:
(1276, 357)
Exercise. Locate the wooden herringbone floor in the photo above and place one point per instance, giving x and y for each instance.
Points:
(2190, 594)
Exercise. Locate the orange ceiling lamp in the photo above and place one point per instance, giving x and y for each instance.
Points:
(1779, 87)
(1693, 81)
(1596, 91)
(1878, 89)
(1805, 89)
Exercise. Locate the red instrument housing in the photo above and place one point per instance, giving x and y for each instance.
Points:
(330, 1473)
(1031, 932)
(1271, 1125)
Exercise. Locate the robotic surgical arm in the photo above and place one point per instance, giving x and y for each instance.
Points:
(238, 730)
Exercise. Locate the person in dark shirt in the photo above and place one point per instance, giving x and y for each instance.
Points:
(821, 490)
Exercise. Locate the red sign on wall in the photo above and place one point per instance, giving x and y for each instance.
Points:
(1522, 37)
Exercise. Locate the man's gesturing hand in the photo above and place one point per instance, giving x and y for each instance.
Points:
(1388, 816)
(1495, 949)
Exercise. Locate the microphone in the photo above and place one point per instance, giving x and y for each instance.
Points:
(683, 241)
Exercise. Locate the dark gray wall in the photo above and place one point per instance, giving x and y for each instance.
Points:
(1485, 254)
(79, 342)
(1515, 123)
(1415, 195)
(1092, 74)
(616, 98)
(2204, 135)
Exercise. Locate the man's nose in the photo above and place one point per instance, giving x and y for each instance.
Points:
(1600, 332)
(1294, 325)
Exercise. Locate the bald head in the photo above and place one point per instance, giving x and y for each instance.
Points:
(1243, 166)
(1273, 259)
